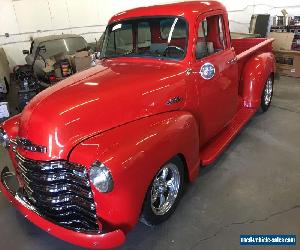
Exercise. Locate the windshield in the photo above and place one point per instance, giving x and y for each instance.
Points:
(159, 37)
(67, 46)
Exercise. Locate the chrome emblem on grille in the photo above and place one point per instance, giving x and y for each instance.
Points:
(29, 146)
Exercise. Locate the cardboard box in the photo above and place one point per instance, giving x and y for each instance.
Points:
(82, 61)
(288, 62)
(283, 40)
(60, 56)
(49, 66)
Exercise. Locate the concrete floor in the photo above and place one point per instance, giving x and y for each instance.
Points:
(254, 188)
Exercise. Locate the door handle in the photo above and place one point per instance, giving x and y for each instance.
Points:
(232, 61)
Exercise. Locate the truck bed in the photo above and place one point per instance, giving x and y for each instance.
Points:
(248, 47)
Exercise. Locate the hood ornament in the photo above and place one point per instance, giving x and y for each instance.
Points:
(29, 146)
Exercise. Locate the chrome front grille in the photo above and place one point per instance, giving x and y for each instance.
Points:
(60, 191)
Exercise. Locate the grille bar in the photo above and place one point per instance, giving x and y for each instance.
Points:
(60, 191)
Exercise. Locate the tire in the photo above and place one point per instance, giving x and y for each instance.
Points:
(155, 208)
(267, 94)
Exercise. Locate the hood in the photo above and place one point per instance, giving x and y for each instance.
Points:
(108, 95)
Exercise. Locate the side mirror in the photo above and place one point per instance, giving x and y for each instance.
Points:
(25, 52)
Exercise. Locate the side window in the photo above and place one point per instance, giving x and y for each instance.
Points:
(144, 35)
(221, 32)
(211, 36)
(202, 31)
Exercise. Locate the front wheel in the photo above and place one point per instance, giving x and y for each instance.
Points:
(267, 94)
(164, 193)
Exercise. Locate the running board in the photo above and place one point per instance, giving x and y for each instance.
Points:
(221, 141)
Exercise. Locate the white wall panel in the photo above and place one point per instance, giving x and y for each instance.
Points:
(59, 14)
(82, 13)
(8, 21)
(32, 15)
(23, 18)
(237, 5)
(274, 7)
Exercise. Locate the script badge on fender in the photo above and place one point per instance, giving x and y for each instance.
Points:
(174, 100)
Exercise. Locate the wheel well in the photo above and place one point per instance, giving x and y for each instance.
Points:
(186, 170)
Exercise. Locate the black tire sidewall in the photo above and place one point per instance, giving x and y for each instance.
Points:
(148, 217)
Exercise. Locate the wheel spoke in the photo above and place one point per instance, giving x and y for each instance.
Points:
(268, 92)
(162, 200)
(156, 183)
(164, 174)
(170, 182)
(154, 196)
(165, 189)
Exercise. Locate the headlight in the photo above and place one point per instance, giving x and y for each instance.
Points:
(4, 139)
(101, 177)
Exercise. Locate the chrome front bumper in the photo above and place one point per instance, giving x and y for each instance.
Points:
(10, 182)
(11, 189)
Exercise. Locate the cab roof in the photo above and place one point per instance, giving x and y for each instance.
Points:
(55, 37)
(187, 9)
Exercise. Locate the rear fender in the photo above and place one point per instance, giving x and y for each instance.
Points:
(255, 74)
(134, 153)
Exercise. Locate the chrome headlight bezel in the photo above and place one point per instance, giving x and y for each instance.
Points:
(101, 178)
(4, 138)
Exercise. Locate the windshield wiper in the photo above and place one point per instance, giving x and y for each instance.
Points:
(129, 53)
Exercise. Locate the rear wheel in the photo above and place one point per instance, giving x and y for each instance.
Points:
(267, 94)
(164, 193)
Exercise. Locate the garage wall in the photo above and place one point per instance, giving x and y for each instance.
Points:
(23, 19)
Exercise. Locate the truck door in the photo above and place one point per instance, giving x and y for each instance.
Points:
(216, 74)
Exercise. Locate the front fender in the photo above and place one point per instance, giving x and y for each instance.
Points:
(11, 126)
(134, 153)
(255, 74)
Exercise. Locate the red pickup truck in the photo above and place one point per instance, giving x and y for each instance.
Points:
(115, 144)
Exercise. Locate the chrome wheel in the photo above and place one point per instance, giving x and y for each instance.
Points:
(165, 188)
(268, 91)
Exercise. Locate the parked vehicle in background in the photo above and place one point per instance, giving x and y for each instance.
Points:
(117, 143)
(52, 46)
(49, 60)
(4, 75)
(4, 87)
